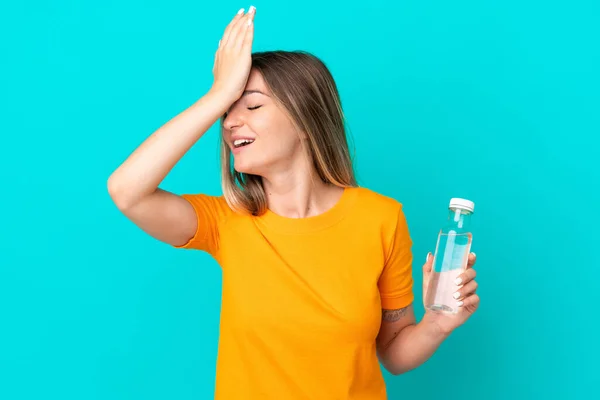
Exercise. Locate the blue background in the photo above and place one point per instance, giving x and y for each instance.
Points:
(495, 101)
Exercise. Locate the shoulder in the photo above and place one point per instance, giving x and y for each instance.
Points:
(378, 204)
(384, 215)
(214, 206)
(207, 200)
(382, 210)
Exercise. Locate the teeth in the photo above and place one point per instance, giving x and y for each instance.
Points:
(241, 142)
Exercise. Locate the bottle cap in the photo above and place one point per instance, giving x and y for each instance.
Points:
(462, 204)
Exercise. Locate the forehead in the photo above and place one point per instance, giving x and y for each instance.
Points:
(256, 82)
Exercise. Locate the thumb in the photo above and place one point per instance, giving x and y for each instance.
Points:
(428, 266)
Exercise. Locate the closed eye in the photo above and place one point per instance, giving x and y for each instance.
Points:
(249, 108)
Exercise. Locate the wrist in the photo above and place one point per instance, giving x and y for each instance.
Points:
(432, 327)
(221, 97)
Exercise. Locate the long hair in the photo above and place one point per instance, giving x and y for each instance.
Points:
(304, 86)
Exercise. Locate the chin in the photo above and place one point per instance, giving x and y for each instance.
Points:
(261, 165)
(245, 168)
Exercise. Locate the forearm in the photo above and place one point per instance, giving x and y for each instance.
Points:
(141, 173)
(413, 345)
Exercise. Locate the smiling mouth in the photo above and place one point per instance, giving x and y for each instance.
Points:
(242, 142)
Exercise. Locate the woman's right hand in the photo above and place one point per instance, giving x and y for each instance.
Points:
(233, 58)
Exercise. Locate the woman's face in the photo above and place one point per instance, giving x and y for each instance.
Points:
(259, 132)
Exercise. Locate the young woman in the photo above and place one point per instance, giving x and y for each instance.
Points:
(317, 282)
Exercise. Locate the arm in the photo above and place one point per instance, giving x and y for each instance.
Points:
(402, 344)
(133, 186)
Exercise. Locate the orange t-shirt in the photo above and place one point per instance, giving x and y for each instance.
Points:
(302, 298)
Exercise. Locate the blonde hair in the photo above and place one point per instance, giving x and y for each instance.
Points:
(304, 86)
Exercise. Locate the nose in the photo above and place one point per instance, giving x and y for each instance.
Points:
(233, 119)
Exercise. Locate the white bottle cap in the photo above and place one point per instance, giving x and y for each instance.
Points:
(462, 204)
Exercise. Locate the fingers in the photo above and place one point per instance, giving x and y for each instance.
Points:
(465, 277)
(216, 61)
(465, 295)
(238, 29)
(245, 40)
(471, 260)
(465, 291)
(471, 303)
(230, 27)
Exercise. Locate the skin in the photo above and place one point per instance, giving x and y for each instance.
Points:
(288, 178)
(292, 186)
(403, 344)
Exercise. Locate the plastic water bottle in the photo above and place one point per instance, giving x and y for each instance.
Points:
(450, 258)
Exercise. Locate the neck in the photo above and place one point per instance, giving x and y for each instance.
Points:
(296, 195)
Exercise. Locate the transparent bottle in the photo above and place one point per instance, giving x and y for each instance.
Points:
(450, 258)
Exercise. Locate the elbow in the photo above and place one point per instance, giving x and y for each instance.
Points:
(396, 365)
(395, 371)
(398, 369)
(117, 194)
(401, 371)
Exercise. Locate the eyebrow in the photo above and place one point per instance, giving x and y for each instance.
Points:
(246, 92)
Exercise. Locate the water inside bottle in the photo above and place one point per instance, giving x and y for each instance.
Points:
(451, 257)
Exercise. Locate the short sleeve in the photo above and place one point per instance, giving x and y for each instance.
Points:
(396, 282)
(211, 211)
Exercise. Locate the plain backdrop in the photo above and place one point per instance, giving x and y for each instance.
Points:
(495, 101)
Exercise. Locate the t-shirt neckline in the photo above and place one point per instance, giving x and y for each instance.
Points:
(313, 223)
